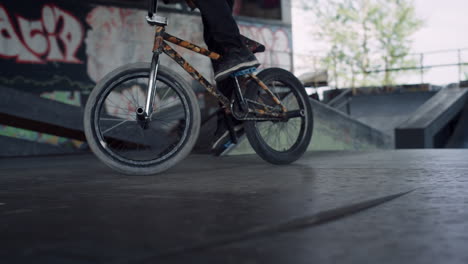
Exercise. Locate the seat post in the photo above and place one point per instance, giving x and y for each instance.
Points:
(152, 7)
(152, 18)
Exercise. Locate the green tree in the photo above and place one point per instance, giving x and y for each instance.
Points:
(393, 27)
(364, 36)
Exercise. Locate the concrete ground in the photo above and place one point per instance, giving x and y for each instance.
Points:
(407, 206)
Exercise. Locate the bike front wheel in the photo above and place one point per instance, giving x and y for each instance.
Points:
(122, 140)
(285, 141)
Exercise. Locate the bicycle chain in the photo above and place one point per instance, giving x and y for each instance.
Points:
(254, 118)
(239, 117)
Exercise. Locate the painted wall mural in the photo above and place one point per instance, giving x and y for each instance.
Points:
(37, 41)
(119, 36)
(60, 49)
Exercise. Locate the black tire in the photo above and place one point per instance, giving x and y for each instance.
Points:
(128, 147)
(286, 87)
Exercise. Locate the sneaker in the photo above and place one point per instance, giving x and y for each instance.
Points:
(233, 61)
(222, 137)
(252, 45)
(224, 140)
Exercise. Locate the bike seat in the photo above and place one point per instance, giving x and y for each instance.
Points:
(252, 45)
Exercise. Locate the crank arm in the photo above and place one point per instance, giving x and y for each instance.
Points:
(294, 114)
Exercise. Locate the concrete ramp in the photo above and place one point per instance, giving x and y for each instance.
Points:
(28, 111)
(459, 138)
(15, 147)
(432, 124)
(387, 111)
(334, 130)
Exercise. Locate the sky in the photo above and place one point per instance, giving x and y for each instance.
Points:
(445, 28)
(446, 25)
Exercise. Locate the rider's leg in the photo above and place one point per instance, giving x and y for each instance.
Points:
(222, 35)
(222, 135)
(221, 39)
(225, 86)
(220, 28)
(226, 125)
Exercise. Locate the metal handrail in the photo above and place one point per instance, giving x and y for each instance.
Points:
(341, 96)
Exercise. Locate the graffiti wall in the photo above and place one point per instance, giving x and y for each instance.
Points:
(59, 49)
(118, 36)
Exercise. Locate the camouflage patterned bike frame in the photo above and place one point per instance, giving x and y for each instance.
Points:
(260, 112)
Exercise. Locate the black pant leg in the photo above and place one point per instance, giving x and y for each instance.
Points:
(231, 4)
(210, 42)
(220, 28)
(213, 40)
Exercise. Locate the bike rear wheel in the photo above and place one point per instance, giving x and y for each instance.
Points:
(125, 143)
(280, 142)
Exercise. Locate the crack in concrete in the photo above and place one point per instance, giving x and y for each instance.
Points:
(316, 219)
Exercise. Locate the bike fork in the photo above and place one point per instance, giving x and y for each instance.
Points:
(143, 114)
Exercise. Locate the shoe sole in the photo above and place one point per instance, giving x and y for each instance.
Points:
(231, 147)
(224, 136)
(223, 75)
(221, 138)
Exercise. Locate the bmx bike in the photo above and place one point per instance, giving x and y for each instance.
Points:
(143, 118)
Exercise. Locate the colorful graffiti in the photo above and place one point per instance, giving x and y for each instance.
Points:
(37, 41)
(116, 37)
(119, 36)
(29, 135)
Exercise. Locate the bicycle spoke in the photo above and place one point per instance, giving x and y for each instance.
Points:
(280, 135)
(130, 90)
(119, 124)
(114, 119)
(165, 94)
(165, 129)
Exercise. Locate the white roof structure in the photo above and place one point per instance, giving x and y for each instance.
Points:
(314, 79)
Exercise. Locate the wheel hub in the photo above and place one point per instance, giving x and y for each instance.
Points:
(142, 118)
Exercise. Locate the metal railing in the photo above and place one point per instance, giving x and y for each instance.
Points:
(439, 67)
(423, 67)
(343, 99)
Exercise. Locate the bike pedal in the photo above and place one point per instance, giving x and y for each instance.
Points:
(244, 72)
